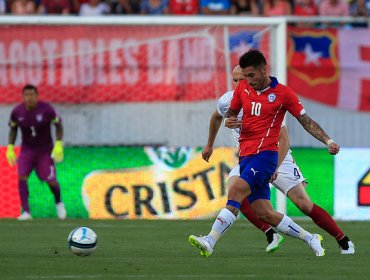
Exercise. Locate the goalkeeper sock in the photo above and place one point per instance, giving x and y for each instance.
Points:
(55, 189)
(23, 193)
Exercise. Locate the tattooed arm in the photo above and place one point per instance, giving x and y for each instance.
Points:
(313, 128)
(316, 131)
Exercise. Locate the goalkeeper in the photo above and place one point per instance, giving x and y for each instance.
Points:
(38, 152)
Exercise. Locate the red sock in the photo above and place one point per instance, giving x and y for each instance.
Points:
(248, 212)
(326, 222)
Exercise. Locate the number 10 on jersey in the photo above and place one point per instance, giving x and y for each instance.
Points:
(256, 108)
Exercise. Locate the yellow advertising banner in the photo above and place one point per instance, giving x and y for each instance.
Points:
(179, 185)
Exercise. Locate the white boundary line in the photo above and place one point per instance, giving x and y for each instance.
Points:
(154, 276)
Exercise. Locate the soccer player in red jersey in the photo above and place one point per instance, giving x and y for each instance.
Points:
(289, 180)
(264, 102)
(273, 238)
(34, 118)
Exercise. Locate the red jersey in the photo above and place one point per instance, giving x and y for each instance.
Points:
(263, 113)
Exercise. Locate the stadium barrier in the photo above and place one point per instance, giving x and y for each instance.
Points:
(156, 67)
(111, 68)
(151, 183)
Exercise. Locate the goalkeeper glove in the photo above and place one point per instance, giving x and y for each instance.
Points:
(57, 152)
(10, 155)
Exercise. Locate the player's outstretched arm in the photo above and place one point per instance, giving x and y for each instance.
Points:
(214, 126)
(316, 131)
(10, 153)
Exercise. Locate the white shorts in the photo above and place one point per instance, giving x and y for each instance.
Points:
(289, 175)
(235, 171)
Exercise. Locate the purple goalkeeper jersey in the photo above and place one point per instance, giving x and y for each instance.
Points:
(35, 125)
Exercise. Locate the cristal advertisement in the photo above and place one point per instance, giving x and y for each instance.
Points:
(150, 183)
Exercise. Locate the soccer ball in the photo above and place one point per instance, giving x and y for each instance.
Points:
(82, 241)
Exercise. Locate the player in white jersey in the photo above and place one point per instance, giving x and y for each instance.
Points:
(288, 179)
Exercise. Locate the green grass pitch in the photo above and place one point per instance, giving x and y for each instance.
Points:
(160, 250)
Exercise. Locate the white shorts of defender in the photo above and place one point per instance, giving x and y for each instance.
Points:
(289, 175)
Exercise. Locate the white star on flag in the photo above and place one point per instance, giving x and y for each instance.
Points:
(242, 48)
(311, 55)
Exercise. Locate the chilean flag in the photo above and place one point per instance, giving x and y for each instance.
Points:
(242, 40)
(331, 66)
(313, 64)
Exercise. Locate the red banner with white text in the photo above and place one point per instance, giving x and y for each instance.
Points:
(91, 64)
(97, 64)
(331, 66)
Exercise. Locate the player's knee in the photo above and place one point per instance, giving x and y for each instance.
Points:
(231, 181)
(23, 178)
(52, 184)
(304, 205)
(236, 193)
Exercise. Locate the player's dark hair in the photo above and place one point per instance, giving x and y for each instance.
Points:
(29, 87)
(253, 58)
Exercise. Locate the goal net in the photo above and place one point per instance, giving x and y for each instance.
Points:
(159, 70)
(124, 60)
(131, 81)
